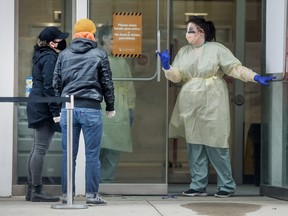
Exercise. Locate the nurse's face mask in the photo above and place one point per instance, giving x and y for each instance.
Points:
(193, 33)
(108, 43)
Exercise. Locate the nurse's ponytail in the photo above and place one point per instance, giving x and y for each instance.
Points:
(211, 34)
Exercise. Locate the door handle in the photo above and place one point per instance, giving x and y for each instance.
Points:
(158, 63)
(239, 100)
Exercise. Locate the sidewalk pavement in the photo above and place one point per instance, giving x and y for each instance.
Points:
(153, 206)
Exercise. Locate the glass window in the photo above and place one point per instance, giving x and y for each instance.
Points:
(252, 121)
(35, 15)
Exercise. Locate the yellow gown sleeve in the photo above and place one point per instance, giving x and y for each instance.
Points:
(173, 75)
(131, 94)
(231, 66)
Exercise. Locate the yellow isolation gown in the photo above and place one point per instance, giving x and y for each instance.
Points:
(117, 131)
(201, 113)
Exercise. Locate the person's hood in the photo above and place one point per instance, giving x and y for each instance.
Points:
(82, 45)
(40, 52)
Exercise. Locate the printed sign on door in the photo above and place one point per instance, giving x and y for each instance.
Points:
(127, 34)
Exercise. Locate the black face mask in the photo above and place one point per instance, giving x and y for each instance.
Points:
(62, 45)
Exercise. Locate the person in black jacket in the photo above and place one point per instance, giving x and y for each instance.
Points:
(83, 70)
(43, 117)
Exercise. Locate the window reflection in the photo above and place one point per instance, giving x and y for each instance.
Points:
(116, 136)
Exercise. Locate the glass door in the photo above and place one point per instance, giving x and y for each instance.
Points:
(134, 158)
(234, 21)
(181, 10)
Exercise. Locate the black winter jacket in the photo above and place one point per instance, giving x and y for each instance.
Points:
(40, 114)
(83, 70)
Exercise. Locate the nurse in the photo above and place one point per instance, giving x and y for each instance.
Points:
(201, 113)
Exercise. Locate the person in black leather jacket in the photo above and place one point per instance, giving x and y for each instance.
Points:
(42, 117)
(83, 70)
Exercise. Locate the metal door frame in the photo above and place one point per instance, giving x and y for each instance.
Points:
(239, 112)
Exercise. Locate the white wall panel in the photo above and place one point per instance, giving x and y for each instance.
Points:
(7, 72)
(276, 15)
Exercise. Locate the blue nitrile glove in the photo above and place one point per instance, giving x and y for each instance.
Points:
(165, 59)
(264, 80)
(131, 116)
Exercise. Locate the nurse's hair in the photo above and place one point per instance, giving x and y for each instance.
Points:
(104, 30)
(207, 26)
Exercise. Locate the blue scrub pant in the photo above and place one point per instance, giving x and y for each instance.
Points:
(109, 162)
(199, 157)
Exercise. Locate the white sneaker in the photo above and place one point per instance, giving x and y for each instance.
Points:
(96, 200)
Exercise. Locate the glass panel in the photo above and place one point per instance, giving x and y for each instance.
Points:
(285, 133)
(222, 13)
(34, 15)
(145, 163)
(252, 122)
(285, 116)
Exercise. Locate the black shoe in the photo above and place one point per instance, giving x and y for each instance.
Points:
(28, 193)
(222, 194)
(192, 192)
(38, 195)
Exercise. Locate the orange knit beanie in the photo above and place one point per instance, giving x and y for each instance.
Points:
(85, 25)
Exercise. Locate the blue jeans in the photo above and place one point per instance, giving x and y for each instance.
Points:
(90, 122)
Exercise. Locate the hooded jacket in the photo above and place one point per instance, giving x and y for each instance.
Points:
(39, 114)
(83, 70)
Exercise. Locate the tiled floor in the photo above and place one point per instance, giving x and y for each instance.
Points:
(154, 206)
(242, 190)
